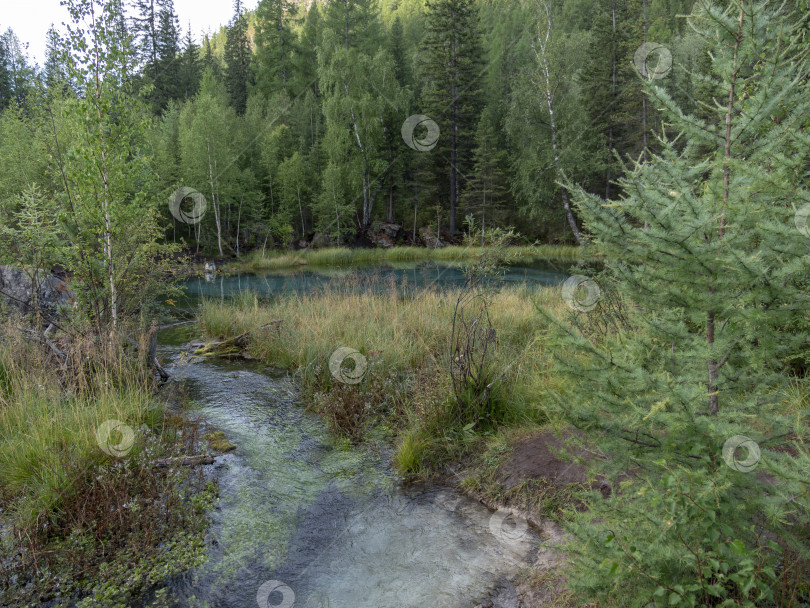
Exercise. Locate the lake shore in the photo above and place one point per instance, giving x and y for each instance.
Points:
(258, 261)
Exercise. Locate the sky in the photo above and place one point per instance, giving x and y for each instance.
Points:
(30, 19)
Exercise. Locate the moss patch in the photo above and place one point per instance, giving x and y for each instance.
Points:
(218, 442)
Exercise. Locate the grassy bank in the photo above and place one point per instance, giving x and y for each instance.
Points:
(80, 522)
(342, 256)
(405, 341)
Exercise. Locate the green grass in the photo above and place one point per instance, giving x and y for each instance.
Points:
(87, 522)
(342, 256)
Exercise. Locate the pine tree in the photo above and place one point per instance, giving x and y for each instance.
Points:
(275, 45)
(712, 295)
(238, 59)
(452, 94)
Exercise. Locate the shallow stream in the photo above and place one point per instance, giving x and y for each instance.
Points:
(305, 520)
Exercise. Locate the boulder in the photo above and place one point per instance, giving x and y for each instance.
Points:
(383, 234)
(16, 290)
(428, 237)
(321, 240)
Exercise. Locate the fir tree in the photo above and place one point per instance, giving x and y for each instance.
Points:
(210, 63)
(167, 83)
(356, 24)
(712, 296)
(399, 52)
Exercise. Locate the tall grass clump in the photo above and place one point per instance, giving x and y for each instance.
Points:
(81, 520)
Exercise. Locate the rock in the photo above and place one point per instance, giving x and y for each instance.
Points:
(383, 234)
(390, 229)
(210, 267)
(428, 237)
(15, 290)
(321, 240)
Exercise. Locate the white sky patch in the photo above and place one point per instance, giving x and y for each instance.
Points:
(30, 19)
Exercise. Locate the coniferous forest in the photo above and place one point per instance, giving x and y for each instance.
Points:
(399, 303)
(289, 119)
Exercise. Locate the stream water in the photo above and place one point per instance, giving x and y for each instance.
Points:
(305, 520)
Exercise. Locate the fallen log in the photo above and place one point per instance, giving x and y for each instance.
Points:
(234, 345)
(185, 461)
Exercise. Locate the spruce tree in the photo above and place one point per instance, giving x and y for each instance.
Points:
(238, 59)
(55, 71)
(275, 45)
(190, 67)
(355, 22)
(690, 388)
(167, 82)
(486, 192)
(452, 95)
(5, 78)
(305, 59)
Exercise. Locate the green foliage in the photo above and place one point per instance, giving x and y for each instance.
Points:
(712, 271)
